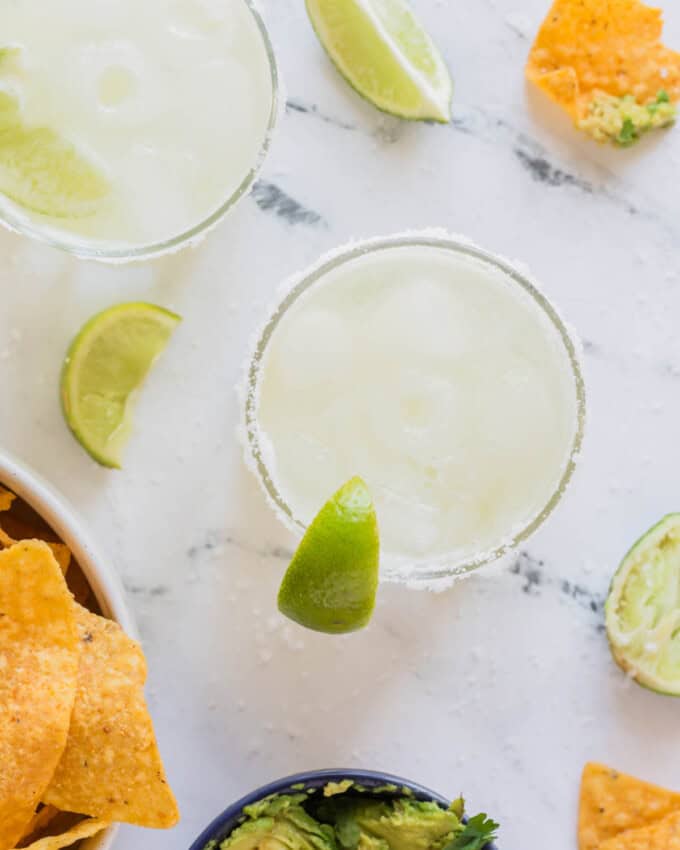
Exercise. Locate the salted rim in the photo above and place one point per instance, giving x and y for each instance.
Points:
(197, 232)
(439, 570)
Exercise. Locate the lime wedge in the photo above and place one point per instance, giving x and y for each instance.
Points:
(331, 583)
(643, 609)
(384, 53)
(10, 58)
(43, 172)
(105, 364)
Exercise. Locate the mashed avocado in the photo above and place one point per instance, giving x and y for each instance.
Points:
(623, 121)
(402, 824)
(280, 823)
(341, 819)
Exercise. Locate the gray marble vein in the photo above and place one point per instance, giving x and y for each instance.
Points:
(216, 543)
(311, 109)
(271, 198)
(536, 579)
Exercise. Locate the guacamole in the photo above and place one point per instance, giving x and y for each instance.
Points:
(345, 817)
(623, 121)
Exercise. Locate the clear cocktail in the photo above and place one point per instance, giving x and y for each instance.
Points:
(437, 373)
(129, 127)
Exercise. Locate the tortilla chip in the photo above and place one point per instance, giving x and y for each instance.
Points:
(111, 767)
(612, 802)
(84, 829)
(6, 499)
(39, 653)
(586, 47)
(59, 823)
(81, 589)
(18, 529)
(664, 834)
(61, 552)
(40, 820)
(62, 555)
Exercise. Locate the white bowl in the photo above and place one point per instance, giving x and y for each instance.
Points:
(101, 576)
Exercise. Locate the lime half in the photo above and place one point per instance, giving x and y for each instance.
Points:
(643, 609)
(331, 583)
(43, 172)
(105, 364)
(385, 54)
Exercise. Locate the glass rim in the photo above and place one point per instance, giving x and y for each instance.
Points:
(152, 250)
(416, 570)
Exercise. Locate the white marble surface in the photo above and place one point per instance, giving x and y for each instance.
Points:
(502, 686)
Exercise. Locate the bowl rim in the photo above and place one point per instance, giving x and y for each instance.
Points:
(107, 587)
(223, 824)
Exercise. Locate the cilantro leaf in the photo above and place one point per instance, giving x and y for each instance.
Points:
(627, 135)
(662, 99)
(478, 832)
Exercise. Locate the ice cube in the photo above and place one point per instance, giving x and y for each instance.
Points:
(406, 525)
(164, 205)
(414, 413)
(310, 471)
(194, 19)
(312, 352)
(513, 409)
(106, 69)
(422, 318)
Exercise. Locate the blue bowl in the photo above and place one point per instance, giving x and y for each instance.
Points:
(232, 816)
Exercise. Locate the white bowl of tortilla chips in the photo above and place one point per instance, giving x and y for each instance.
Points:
(77, 745)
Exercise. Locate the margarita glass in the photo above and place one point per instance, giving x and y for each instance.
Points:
(437, 372)
(161, 110)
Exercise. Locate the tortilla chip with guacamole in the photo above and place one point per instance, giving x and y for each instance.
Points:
(603, 62)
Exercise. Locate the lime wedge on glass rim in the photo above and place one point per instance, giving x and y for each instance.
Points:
(385, 55)
(106, 363)
(331, 583)
(642, 611)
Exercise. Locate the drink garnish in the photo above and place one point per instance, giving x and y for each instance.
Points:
(42, 171)
(331, 583)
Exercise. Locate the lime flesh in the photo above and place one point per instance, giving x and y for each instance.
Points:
(385, 55)
(107, 361)
(331, 583)
(44, 173)
(643, 609)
